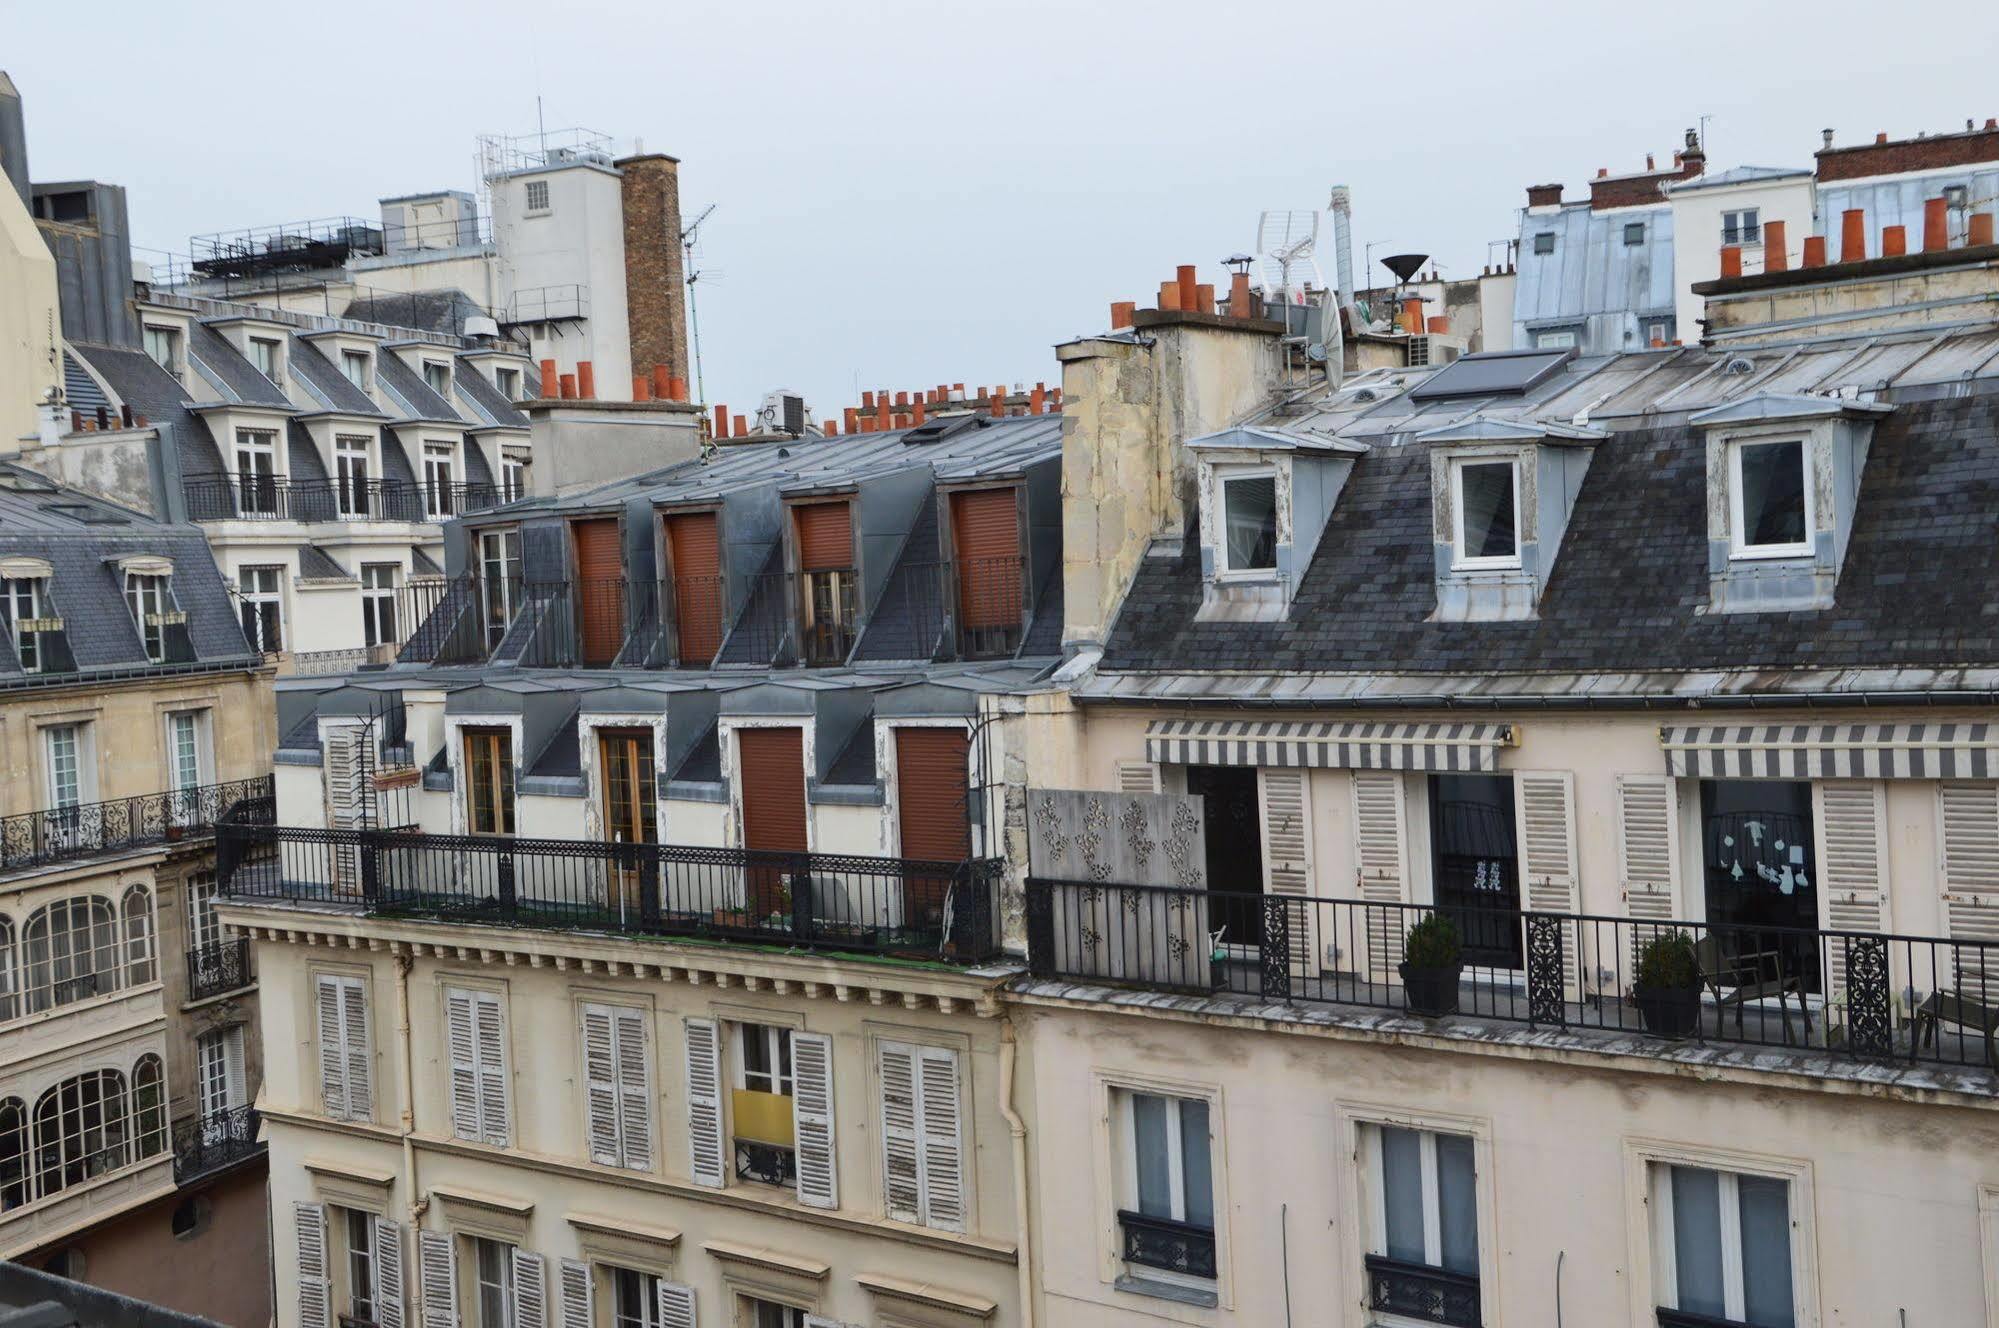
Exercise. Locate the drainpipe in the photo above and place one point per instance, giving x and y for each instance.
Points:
(1018, 1128)
(417, 1205)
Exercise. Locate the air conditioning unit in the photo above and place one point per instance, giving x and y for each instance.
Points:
(782, 411)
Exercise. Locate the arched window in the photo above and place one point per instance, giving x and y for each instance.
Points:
(70, 952)
(14, 1187)
(137, 908)
(81, 1130)
(10, 973)
(149, 1107)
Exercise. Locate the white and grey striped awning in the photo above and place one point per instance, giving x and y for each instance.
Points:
(1833, 751)
(1444, 747)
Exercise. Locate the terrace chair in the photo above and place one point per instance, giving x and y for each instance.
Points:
(1974, 1010)
(1739, 977)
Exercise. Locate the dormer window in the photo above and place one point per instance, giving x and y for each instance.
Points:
(437, 377)
(354, 364)
(1485, 494)
(256, 472)
(1772, 516)
(24, 604)
(509, 383)
(150, 597)
(163, 347)
(267, 353)
(1249, 523)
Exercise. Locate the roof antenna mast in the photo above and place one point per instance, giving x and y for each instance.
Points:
(693, 311)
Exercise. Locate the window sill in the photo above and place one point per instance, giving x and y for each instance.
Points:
(1138, 1285)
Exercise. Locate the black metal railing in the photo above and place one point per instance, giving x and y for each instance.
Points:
(992, 605)
(1689, 1319)
(209, 1143)
(1418, 1291)
(260, 498)
(59, 834)
(1160, 1242)
(218, 967)
(822, 901)
(767, 1164)
(1862, 995)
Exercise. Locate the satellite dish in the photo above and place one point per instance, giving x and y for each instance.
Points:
(1285, 242)
(1405, 266)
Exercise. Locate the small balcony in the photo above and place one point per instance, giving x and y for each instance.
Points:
(766, 1164)
(213, 970)
(1418, 1291)
(1169, 1246)
(63, 834)
(262, 498)
(215, 1142)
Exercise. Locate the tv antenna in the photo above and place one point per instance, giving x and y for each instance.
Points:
(693, 311)
(1285, 242)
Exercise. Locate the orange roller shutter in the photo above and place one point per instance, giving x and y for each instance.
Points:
(985, 532)
(825, 536)
(694, 546)
(600, 588)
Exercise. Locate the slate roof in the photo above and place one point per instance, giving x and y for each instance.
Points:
(152, 392)
(411, 392)
(485, 399)
(1630, 584)
(428, 311)
(323, 380)
(315, 564)
(233, 376)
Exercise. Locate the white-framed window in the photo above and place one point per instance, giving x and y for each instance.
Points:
(354, 364)
(1485, 501)
(493, 1282)
(763, 1115)
(1166, 1199)
(437, 377)
(350, 471)
(476, 1037)
(508, 381)
(1659, 330)
(513, 474)
(256, 472)
(25, 599)
(359, 1230)
(184, 749)
(1723, 1245)
(83, 1129)
(260, 593)
(1560, 338)
(439, 463)
(537, 196)
(617, 1085)
(1771, 509)
(771, 1314)
(163, 347)
(923, 1146)
(70, 951)
(150, 597)
(1249, 521)
(62, 750)
(500, 572)
(634, 1299)
(219, 1085)
(346, 1089)
(1421, 1221)
(267, 353)
(1743, 226)
(204, 929)
(378, 603)
(136, 919)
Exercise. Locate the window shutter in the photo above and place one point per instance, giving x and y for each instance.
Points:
(578, 1295)
(464, 1063)
(943, 1148)
(235, 1078)
(1544, 803)
(354, 1043)
(1137, 777)
(1381, 861)
(315, 1291)
(332, 1049)
(825, 536)
(530, 1291)
(704, 1101)
(1852, 859)
(600, 1085)
(812, 1119)
(437, 1268)
(493, 1123)
(1969, 815)
(388, 1273)
(676, 1305)
(902, 1183)
(1648, 850)
(346, 798)
(1286, 803)
(634, 1090)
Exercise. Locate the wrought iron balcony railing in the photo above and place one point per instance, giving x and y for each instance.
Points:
(1847, 994)
(1418, 1291)
(767, 1164)
(256, 498)
(214, 969)
(207, 1144)
(1174, 1247)
(60, 834)
(1689, 1319)
(823, 901)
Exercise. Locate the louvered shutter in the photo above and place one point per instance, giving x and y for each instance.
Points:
(634, 1090)
(1968, 811)
(1648, 850)
(494, 1126)
(236, 1080)
(333, 1059)
(462, 1044)
(389, 1292)
(1544, 805)
(437, 1270)
(344, 773)
(1852, 862)
(1381, 863)
(938, 1118)
(902, 1148)
(704, 1101)
(315, 1288)
(1137, 777)
(530, 1290)
(825, 536)
(578, 1295)
(600, 1085)
(1286, 803)
(355, 1044)
(812, 1119)
(676, 1305)
(693, 544)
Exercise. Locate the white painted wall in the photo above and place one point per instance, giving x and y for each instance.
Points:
(1697, 235)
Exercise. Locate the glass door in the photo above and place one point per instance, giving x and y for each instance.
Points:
(630, 806)
(1234, 851)
(1760, 873)
(1475, 865)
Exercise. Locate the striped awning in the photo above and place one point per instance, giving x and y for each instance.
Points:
(1445, 747)
(1833, 751)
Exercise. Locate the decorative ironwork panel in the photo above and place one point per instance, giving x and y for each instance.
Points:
(1176, 1247)
(767, 1164)
(1275, 951)
(1547, 968)
(1417, 1291)
(214, 969)
(210, 1143)
(1870, 1023)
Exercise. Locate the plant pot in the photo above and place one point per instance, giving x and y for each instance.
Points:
(731, 917)
(1669, 1012)
(1431, 992)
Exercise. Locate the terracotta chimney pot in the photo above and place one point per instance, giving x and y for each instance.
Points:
(1775, 257)
(1894, 241)
(1853, 235)
(1731, 260)
(1814, 255)
(1981, 229)
(1936, 225)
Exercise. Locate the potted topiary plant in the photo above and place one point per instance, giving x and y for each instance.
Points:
(1667, 985)
(1432, 962)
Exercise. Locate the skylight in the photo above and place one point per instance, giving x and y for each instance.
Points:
(1499, 373)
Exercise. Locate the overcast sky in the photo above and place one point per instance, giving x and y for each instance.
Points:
(907, 192)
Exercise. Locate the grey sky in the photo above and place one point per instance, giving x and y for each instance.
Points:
(912, 193)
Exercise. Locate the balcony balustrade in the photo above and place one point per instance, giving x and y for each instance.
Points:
(253, 498)
(62, 834)
(218, 968)
(209, 1143)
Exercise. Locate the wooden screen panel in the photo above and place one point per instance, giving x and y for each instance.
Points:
(932, 781)
(772, 778)
(693, 544)
(985, 534)
(600, 587)
(825, 536)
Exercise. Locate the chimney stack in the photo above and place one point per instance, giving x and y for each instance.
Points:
(655, 283)
(1544, 195)
(721, 421)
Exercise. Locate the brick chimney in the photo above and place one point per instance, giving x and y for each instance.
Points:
(1544, 195)
(655, 285)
